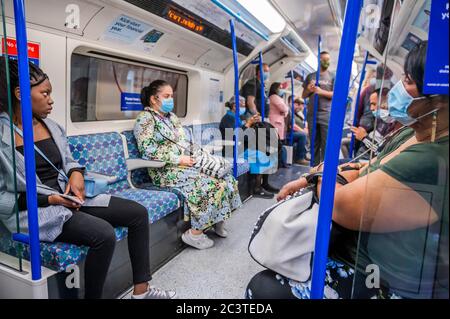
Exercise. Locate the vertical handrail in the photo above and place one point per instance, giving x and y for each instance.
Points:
(28, 139)
(358, 96)
(263, 92)
(291, 136)
(236, 99)
(305, 109)
(11, 130)
(316, 103)
(346, 51)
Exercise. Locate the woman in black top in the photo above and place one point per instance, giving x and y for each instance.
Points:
(88, 226)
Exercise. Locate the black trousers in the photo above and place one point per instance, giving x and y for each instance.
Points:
(94, 227)
(320, 141)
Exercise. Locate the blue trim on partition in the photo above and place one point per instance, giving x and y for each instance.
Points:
(21, 238)
(263, 93)
(240, 19)
(358, 96)
(237, 120)
(316, 103)
(291, 136)
(344, 68)
(28, 140)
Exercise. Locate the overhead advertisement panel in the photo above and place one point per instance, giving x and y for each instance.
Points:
(436, 70)
(127, 30)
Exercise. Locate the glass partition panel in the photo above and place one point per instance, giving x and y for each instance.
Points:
(401, 194)
(10, 251)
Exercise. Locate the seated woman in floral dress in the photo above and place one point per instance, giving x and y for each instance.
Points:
(160, 136)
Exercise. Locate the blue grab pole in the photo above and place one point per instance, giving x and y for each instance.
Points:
(291, 136)
(358, 96)
(236, 99)
(316, 103)
(263, 93)
(346, 51)
(28, 139)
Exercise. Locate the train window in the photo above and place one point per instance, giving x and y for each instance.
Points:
(105, 90)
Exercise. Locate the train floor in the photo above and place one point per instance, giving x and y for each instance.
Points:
(223, 271)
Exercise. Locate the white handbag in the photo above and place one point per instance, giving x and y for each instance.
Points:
(284, 236)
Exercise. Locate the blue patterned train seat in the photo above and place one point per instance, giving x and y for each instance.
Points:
(103, 153)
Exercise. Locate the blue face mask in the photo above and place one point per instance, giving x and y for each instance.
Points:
(281, 93)
(383, 115)
(266, 76)
(242, 110)
(167, 105)
(399, 101)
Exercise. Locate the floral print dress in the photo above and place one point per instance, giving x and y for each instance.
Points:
(209, 200)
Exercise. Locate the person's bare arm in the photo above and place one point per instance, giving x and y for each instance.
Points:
(308, 90)
(371, 204)
(251, 103)
(323, 93)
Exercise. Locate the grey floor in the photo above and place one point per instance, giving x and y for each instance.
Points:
(224, 270)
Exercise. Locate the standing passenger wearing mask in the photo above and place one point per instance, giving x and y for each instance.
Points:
(325, 93)
(278, 109)
(252, 92)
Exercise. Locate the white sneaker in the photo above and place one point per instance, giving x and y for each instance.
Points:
(220, 229)
(156, 293)
(197, 241)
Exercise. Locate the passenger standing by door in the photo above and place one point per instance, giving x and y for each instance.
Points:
(251, 91)
(325, 93)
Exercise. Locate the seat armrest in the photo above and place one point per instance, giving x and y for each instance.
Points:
(137, 163)
(110, 179)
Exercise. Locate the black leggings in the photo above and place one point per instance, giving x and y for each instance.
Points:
(94, 227)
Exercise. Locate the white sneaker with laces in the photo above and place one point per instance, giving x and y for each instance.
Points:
(197, 241)
(156, 293)
(220, 229)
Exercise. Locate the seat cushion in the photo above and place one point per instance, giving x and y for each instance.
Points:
(158, 203)
(102, 153)
(57, 256)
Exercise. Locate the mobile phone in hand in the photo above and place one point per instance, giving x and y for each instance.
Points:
(72, 198)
